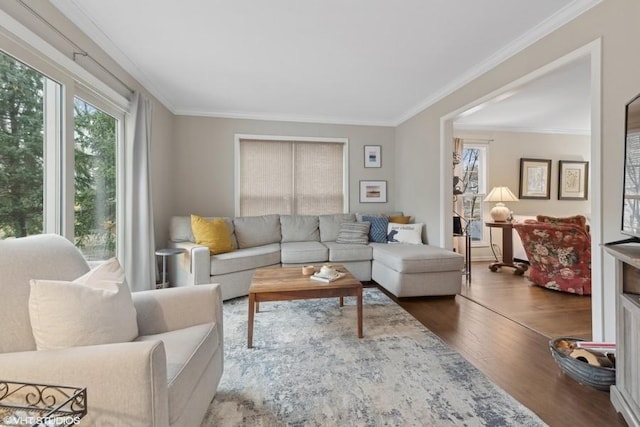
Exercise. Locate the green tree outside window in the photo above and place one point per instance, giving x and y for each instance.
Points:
(22, 163)
(21, 149)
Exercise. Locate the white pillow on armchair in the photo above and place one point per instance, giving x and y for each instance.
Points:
(96, 308)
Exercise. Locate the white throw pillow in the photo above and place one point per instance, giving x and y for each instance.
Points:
(94, 309)
(404, 233)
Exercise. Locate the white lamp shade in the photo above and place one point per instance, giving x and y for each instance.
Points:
(500, 213)
(501, 194)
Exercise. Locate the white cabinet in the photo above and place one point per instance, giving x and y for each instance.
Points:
(625, 395)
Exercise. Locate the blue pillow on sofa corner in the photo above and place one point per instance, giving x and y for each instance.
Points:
(378, 229)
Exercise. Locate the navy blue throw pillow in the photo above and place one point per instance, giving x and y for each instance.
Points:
(378, 230)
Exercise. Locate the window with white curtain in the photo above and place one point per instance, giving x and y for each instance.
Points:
(296, 177)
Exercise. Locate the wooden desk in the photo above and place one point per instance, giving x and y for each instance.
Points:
(507, 249)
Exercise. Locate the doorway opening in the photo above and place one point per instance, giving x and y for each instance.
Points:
(450, 128)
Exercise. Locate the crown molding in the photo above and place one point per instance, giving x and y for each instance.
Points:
(284, 118)
(516, 129)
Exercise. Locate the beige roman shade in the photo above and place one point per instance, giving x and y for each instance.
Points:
(291, 177)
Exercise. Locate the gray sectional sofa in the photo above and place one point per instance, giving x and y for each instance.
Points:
(405, 270)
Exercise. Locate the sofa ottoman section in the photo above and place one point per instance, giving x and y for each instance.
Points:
(408, 270)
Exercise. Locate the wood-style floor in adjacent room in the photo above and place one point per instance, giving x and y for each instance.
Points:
(514, 354)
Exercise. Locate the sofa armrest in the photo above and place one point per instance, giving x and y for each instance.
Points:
(165, 310)
(126, 383)
(192, 267)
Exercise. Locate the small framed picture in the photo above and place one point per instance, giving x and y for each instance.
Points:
(535, 179)
(373, 191)
(372, 156)
(573, 180)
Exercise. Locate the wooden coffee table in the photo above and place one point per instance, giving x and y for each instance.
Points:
(288, 283)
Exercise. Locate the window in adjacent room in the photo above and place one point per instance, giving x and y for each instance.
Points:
(473, 187)
(284, 176)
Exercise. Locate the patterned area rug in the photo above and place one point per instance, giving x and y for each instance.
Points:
(308, 368)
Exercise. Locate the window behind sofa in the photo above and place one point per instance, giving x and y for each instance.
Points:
(297, 177)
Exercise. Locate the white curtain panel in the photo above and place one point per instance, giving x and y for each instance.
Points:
(139, 254)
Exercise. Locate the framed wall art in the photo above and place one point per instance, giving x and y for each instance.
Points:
(573, 180)
(372, 156)
(373, 191)
(535, 179)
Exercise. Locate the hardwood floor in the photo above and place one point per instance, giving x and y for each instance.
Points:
(514, 356)
(548, 312)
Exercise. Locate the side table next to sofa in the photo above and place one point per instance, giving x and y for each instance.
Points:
(164, 253)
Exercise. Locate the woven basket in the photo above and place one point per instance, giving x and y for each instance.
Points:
(594, 376)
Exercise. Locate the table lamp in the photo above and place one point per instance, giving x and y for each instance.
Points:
(500, 212)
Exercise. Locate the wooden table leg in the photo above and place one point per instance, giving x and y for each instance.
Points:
(252, 308)
(359, 305)
(341, 301)
(257, 306)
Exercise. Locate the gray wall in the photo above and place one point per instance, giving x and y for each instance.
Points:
(203, 165)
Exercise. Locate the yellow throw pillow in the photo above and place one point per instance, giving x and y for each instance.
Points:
(212, 233)
(400, 219)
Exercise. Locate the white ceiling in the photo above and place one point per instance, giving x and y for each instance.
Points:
(558, 102)
(359, 61)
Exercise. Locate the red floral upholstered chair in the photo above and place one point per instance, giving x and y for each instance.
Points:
(559, 254)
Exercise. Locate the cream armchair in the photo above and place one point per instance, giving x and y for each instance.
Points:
(167, 377)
